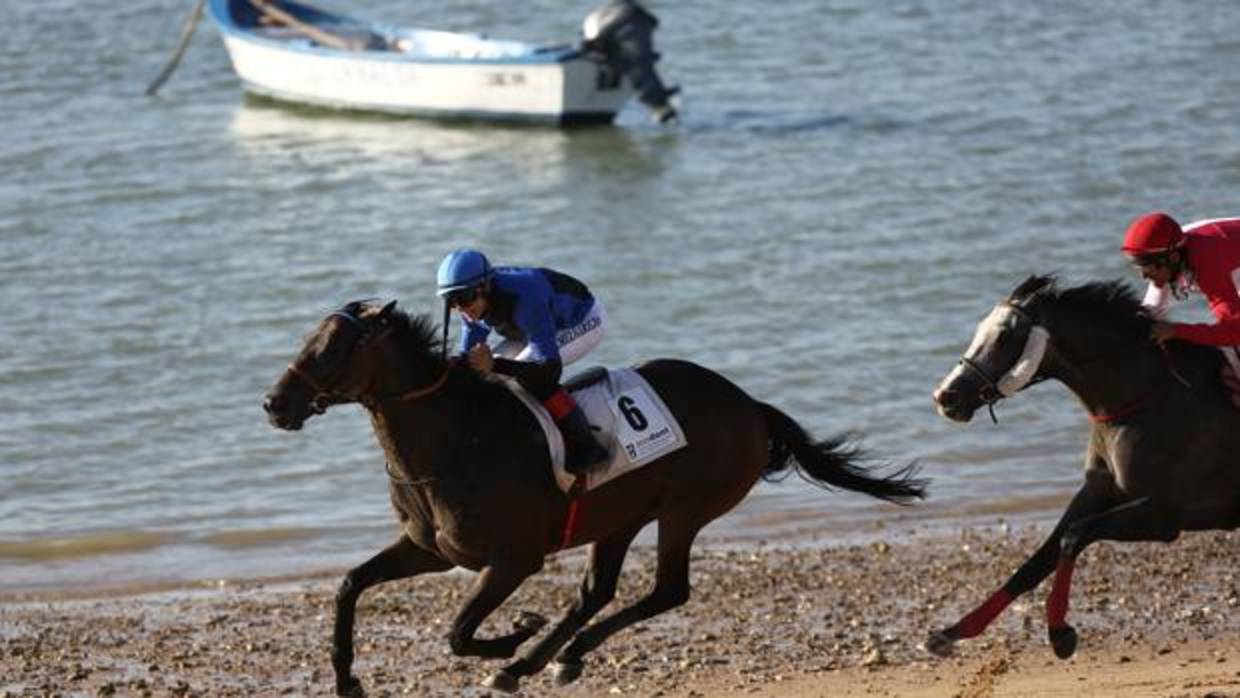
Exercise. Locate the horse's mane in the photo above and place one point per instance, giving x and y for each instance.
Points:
(1113, 299)
(418, 337)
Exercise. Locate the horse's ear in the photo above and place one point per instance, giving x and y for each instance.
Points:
(386, 312)
(1029, 289)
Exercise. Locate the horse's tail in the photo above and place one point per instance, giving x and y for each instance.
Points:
(835, 462)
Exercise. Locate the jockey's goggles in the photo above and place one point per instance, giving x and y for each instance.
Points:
(1142, 261)
(463, 296)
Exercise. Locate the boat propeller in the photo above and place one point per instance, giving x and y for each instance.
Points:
(620, 37)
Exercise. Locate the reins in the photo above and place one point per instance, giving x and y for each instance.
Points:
(1171, 366)
(366, 397)
(992, 394)
(307, 379)
(417, 393)
(414, 394)
(324, 397)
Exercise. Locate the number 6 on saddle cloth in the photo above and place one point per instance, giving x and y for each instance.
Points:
(627, 416)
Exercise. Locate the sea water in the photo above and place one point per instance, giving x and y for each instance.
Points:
(851, 186)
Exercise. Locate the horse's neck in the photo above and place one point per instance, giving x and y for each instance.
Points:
(1108, 372)
(450, 430)
(411, 435)
(407, 418)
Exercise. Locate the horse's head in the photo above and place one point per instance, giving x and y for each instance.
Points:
(1042, 331)
(1006, 352)
(337, 365)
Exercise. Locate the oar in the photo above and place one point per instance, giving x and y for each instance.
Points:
(187, 31)
(313, 32)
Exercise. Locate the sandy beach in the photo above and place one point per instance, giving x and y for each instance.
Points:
(1155, 620)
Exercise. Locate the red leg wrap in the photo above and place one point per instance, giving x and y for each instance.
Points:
(570, 521)
(974, 623)
(1057, 602)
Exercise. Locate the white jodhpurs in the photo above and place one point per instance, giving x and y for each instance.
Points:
(573, 342)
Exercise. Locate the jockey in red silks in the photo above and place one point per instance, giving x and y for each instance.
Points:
(1204, 255)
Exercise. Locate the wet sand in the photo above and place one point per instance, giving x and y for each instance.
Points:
(1155, 620)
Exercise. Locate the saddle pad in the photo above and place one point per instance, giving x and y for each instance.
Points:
(628, 418)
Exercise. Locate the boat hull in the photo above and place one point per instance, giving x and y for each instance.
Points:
(566, 88)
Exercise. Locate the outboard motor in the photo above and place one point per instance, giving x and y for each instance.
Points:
(620, 37)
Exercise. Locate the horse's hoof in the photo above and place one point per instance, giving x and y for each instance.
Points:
(502, 681)
(939, 644)
(1064, 641)
(529, 622)
(350, 688)
(566, 672)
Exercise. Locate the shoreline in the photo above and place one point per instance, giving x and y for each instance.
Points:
(67, 568)
(763, 620)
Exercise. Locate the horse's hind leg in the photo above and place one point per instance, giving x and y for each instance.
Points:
(671, 589)
(598, 588)
(399, 560)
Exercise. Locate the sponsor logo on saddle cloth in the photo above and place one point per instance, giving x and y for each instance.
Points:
(628, 418)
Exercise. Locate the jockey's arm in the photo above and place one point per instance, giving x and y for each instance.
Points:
(540, 372)
(1224, 333)
(472, 333)
(1219, 287)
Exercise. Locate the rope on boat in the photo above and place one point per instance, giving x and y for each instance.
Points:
(187, 31)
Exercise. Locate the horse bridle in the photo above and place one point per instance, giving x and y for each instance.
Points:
(990, 392)
(325, 397)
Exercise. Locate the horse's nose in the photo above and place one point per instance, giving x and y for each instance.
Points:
(945, 398)
(273, 403)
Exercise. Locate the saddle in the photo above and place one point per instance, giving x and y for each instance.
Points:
(627, 416)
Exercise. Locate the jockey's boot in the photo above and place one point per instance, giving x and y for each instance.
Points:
(583, 452)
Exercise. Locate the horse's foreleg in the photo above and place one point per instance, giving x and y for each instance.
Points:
(598, 588)
(397, 561)
(671, 589)
(494, 584)
(1030, 574)
(1138, 520)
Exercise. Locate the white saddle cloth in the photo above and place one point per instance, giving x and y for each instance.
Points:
(628, 418)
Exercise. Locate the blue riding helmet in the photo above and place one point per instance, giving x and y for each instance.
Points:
(463, 269)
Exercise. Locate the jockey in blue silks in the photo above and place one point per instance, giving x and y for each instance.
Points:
(547, 319)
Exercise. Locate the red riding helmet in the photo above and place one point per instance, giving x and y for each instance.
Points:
(1153, 233)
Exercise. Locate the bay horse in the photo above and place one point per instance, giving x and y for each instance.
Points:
(1161, 456)
(472, 486)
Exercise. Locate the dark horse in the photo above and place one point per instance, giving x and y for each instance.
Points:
(471, 482)
(1162, 451)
